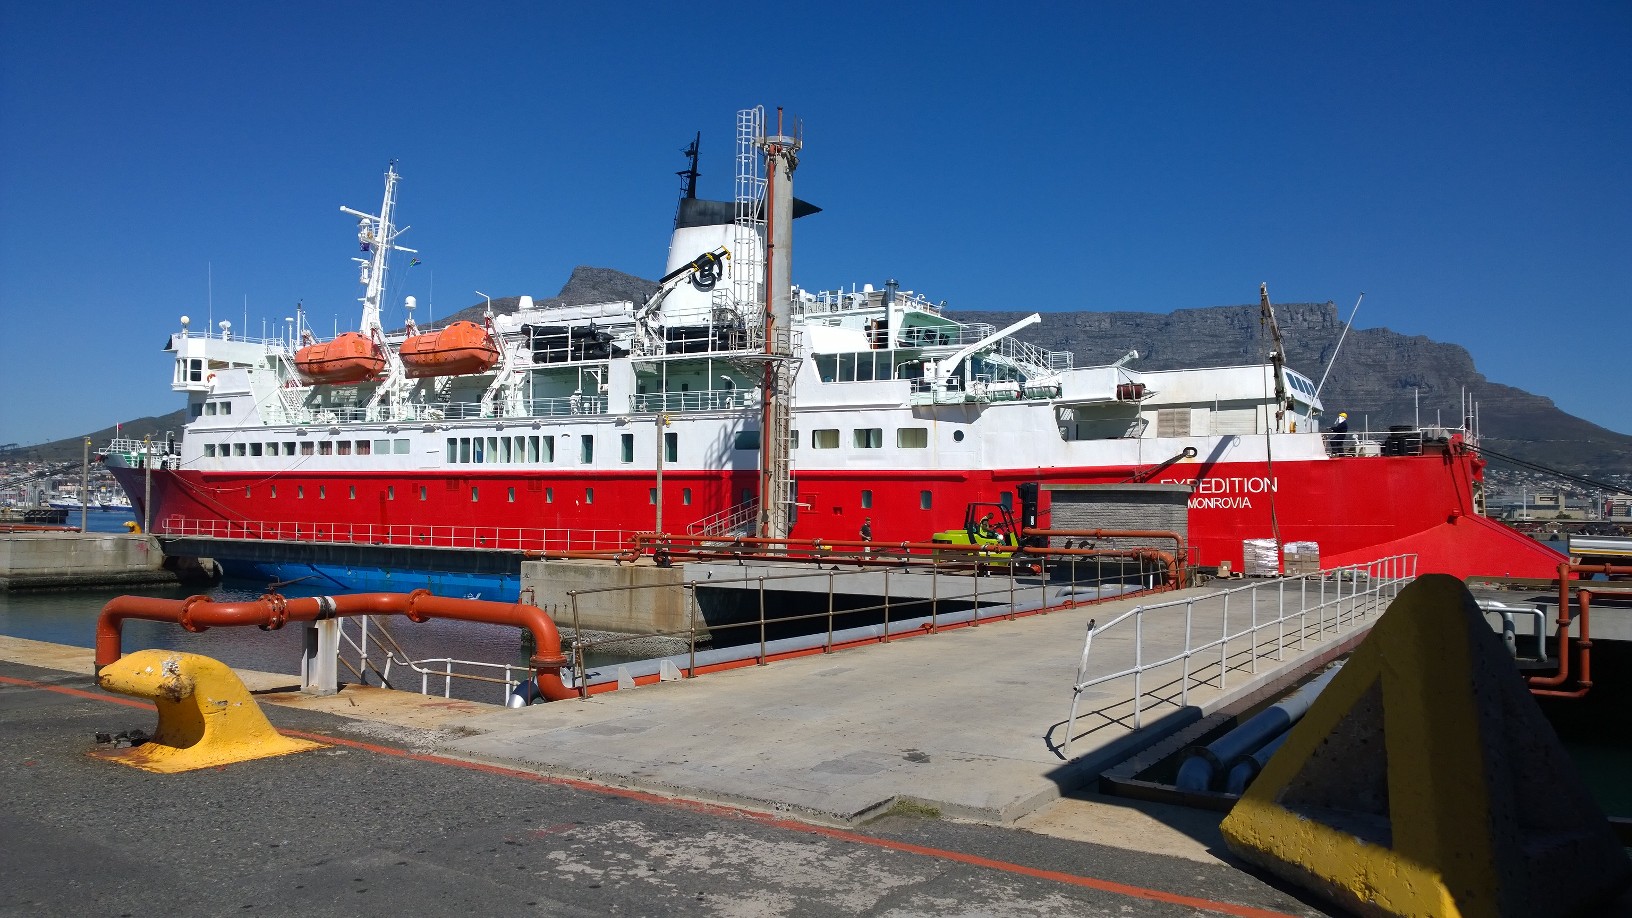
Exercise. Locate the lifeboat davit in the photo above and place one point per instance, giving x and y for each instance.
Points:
(460, 348)
(348, 358)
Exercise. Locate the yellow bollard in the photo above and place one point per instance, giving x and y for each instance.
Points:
(1425, 781)
(206, 715)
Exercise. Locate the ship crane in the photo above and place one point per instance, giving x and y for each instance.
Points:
(704, 271)
(1277, 356)
(945, 368)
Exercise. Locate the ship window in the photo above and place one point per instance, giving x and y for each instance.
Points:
(793, 439)
(209, 408)
(586, 450)
(549, 495)
(511, 497)
(382, 446)
(912, 438)
(1006, 499)
(476, 449)
(365, 448)
(288, 447)
(627, 445)
(493, 449)
(400, 447)
(247, 493)
(504, 449)
(589, 495)
(300, 492)
(826, 366)
(548, 446)
(305, 447)
(274, 490)
(651, 495)
(869, 437)
(532, 449)
(473, 493)
(421, 492)
(685, 496)
(453, 450)
(226, 407)
(198, 409)
(827, 438)
(325, 448)
(957, 436)
(746, 439)
(925, 500)
(464, 449)
(322, 492)
(746, 496)
(353, 494)
(671, 447)
(209, 451)
(521, 449)
(345, 447)
(195, 370)
(867, 499)
(255, 449)
(390, 492)
(238, 449)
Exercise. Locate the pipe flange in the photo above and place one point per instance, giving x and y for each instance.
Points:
(412, 614)
(185, 617)
(277, 612)
(541, 661)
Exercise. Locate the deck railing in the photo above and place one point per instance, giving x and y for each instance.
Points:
(1260, 619)
(490, 538)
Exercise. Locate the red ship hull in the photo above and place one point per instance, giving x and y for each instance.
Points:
(1356, 509)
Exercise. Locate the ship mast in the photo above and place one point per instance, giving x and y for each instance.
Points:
(775, 471)
(377, 236)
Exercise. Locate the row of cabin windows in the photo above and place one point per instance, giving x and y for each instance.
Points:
(200, 409)
(871, 438)
(396, 447)
(322, 493)
(541, 449)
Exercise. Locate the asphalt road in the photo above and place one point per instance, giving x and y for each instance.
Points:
(373, 825)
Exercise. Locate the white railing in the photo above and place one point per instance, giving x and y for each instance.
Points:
(428, 669)
(718, 400)
(1337, 599)
(491, 538)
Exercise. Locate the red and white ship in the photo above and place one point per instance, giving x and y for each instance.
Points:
(572, 427)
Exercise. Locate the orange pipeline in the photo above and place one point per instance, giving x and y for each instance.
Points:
(272, 611)
(1547, 685)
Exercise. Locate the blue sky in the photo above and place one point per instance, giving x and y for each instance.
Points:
(1463, 164)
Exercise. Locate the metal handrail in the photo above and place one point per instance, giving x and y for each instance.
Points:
(1370, 587)
(395, 656)
(901, 616)
(491, 538)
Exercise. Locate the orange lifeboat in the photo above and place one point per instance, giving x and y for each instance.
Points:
(348, 358)
(463, 347)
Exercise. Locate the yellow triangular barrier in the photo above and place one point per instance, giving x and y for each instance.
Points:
(206, 715)
(1425, 781)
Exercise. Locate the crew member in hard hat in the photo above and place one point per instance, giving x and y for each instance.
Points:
(1338, 442)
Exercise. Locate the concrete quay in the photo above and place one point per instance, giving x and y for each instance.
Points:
(47, 560)
(969, 721)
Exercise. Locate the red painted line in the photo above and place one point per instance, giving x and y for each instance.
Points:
(732, 812)
(77, 693)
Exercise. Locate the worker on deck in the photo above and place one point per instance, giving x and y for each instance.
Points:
(1338, 441)
(867, 533)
